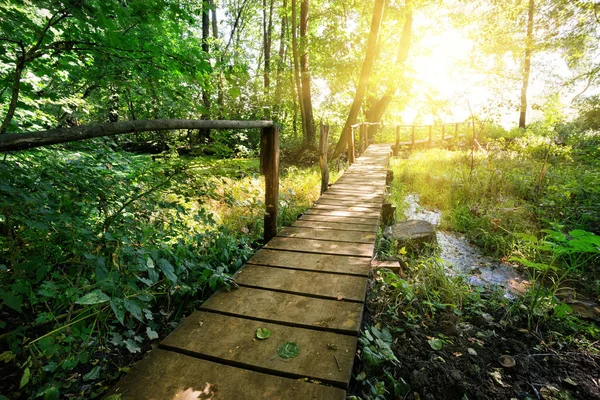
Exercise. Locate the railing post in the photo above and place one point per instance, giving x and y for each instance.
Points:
(269, 161)
(351, 147)
(323, 157)
(430, 135)
(397, 148)
(413, 136)
(363, 135)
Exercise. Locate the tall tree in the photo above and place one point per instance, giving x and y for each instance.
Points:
(308, 120)
(527, 64)
(376, 108)
(297, 66)
(267, 34)
(367, 67)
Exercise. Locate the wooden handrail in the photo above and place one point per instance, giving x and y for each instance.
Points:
(269, 147)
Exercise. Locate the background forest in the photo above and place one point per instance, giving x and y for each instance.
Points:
(106, 244)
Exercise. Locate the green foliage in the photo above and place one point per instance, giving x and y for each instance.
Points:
(104, 251)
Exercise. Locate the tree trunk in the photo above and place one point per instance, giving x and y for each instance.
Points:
(296, 65)
(378, 107)
(205, 36)
(364, 77)
(267, 31)
(308, 121)
(16, 87)
(281, 61)
(527, 64)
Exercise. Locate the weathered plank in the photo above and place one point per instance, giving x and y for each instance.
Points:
(342, 226)
(316, 284)
(370, 213)
(288, 309)
(321, 246)
(312, 262)
(168, 375)
(208, 335)
(347, 207)
(344, 203)
(348, 220)
(376, 198)
(328, 234)
(358, 188)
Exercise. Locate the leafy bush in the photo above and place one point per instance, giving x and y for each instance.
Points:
(103, 251)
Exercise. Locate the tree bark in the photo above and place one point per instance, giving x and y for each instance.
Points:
(21, 141)
(377, 108)
(267, 31)
(527, 64)
(205, 37)
(364, 77)
(14, 98)
(297, 66)
(281, 61)
(308, 121)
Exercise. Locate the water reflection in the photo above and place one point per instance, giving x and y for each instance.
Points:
(464, 258)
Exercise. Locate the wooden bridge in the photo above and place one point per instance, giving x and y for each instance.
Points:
(307, 286)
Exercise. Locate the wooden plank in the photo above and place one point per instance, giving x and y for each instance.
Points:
(348, 220)
(288, 309)
(312, 262)
(358, 188)
(321, 246)
(350, 207)
(329, 202)
(328, 234)
(209, 335)
(343, 213)
(167, 375)
(363, 198)
(316, 284)
(341, 226)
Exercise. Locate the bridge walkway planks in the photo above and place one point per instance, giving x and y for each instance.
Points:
(307, 285)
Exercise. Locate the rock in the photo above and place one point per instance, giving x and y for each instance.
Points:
(413, 234)
(471, 351)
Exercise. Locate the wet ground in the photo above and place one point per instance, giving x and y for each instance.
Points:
(464, 258)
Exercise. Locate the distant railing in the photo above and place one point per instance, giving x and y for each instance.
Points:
(269, 147)
(430, 139)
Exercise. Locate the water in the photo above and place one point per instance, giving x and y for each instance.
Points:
(466, 259)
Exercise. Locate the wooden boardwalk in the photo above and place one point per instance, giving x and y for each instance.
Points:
(307, 285)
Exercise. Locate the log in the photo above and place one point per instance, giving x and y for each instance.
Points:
(22, 141)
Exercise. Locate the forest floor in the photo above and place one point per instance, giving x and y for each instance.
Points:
(440, 331)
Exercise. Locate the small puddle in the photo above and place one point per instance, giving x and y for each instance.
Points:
(466, 259)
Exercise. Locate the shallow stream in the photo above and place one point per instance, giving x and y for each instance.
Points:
(466, 259)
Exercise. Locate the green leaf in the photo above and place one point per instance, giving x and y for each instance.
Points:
(132, 346)
(288, 350)
(52, 394)
(116, 396)
(117, 306)
(436, 344)
(93, 374)
(25, 377)
(166, 267)
(263, 333)
(134, 308)
(10, 300)
(151, 334)
(94, 297)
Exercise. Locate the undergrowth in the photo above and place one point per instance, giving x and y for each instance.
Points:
(102, 252)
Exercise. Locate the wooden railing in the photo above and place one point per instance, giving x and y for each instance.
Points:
(444, 136)
(269, 147)
(363, 139)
